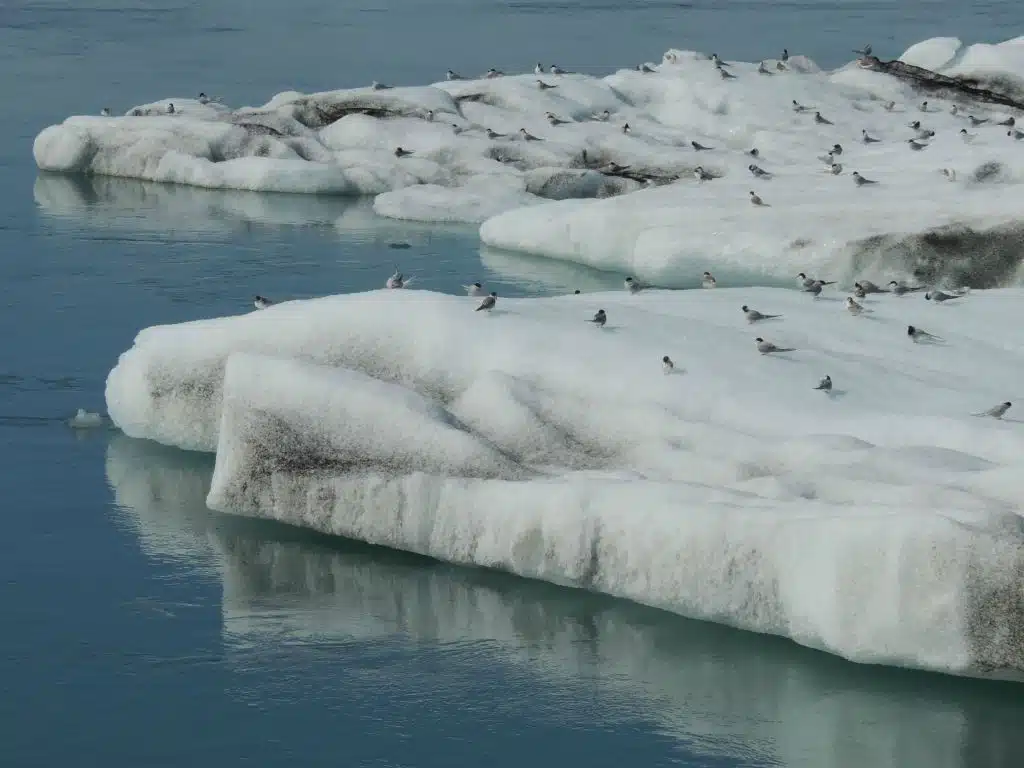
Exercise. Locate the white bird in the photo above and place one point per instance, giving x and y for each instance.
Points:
(488, 303)
(726, 74)
(170, 109)
(602, 116)
(626, 128)
(853, 307)
(822, 120)
(868, 287)
(556, 70)
(976, 121)
(1015, 134)
(766, 347)
(632, 285)
(940, 296)
(545, 86)
(758, 171)
(667, 365)
(754, 316)
(900, 289)
(967, 137)
(476, 289)
(701, 175)
(949, 173)
(865, 51)
(555, 119)
(835, 169)
(379, 86)
(538, 70)
(644, 68)
(996, 412)
(399, 152)
(859, 291)
(453, 75)
(491, 134)
(262, 302)
(868, 139)
(763, 70)
(755, 199)
(527, 136)
(806, 282)
(599, 318)
(825, 384)
(924, 106)
(798, 107)
(105, 112)
(493, 73)
(708, 281)
(916, 335)
(861, 181)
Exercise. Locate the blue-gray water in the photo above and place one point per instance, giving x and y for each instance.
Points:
(140, 629)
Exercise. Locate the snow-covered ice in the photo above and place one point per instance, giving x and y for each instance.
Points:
(881, 521)
(470, 163)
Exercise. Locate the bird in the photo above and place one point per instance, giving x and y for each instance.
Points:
(917, 147)
(488, 303)
(837, 149)
(379, 86)
(599, 318)
(868, 287)
(726, 75)
(798, 107)
(763, 70)
(900, 289)
(869, 139)
(825, 384)
(889, 106)
(1015, 134)
(701, 175)
(667, 365)
(476, 289)
(633, 286)
(853, 307)
(105, 112)
(822, 120)
(539, 69)
(806, 282)
(602, 116)
(203, 98)
(859, 291)
(754, 316)
(758, 171)
(644, 68)
(861, 181)
(997, 411)
(699, 147)
(954, 109)
(976, 121)
(967, 137)
(835, 169)
(262, 302)
(780, 66)
(626, 128)
(940, 296)
(916, 335)
(1008, 122)
(949, 173)
(170, 109)
(493, 73)
(397, 280)
(924, 106)
(785, 55)
(545, 86)
(453, 75)
(755, 199)
(755, 152)
(495, 135)
(527, 136)
(766, 347)
(865, 51)
(717, 61)
(555, 119)
(708, 281)
(399, 152)
(556, 70)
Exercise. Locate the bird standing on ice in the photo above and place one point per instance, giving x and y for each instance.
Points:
(940, 296)
(527, 136)
(701, 175)
(766, 347)
(476, 289)
(754, 316)
(538, 70)
(916, 335)
(262, 302)
(632, 285)
(397, 280)
(453, 75)
(105, 112)
(861, 181)
(755, 199)
(853, 307)
(488, 303)
(667, 365)
(825, 384)
(997, 411)
(804, 281)
(822, 120)
(708, 281)
(599, 319)
(900, 289)
(399, 152)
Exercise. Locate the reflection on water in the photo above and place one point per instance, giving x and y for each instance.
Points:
(719, 693)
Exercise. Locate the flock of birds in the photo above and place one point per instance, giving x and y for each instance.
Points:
(810, 285)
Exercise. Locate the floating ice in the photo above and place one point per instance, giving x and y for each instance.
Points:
(84, 419)
(880, 521)
(470, 161)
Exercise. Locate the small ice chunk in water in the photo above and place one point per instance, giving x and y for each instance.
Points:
(84, 419)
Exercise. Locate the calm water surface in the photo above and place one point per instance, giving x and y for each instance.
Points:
(140, 629)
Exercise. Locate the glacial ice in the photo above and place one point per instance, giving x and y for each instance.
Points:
(343, 142)
(880, 522)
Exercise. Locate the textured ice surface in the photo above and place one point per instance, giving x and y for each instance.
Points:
(880, 522)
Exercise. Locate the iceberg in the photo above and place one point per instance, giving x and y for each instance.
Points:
(879, 521)
(710, 689)
(497, 151)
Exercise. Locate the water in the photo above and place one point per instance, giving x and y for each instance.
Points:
(142, 629)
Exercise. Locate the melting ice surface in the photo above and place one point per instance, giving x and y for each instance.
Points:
(469, 162)
(880, 521)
